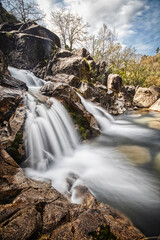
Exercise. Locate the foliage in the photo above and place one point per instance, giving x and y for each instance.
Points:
(82, 123)
(24, 10)
(103, 233)
(70, 27)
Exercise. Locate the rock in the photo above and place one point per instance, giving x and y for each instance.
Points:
(101, 67)
(25, 50)
(64, 78)
(137, 154)
(84, 54)
(10, 82)
(26, 45)
(65, 62)
(9, 101)
(3, 65)
(86, 89)
(145, 97)
(114, 82)
(37, 30)
(154, 124)
(30, 209)
(155, 106)
(5, 16)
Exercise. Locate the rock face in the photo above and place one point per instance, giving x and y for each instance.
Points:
(145, 97)
(12, 115)
(26, 45)
(39, 211)
(68, 63)
(114, 82)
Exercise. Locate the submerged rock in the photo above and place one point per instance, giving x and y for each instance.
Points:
(137, 154)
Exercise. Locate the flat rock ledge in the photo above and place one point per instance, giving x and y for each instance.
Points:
(35, 210)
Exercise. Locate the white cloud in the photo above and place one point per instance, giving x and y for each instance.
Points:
(119, 15)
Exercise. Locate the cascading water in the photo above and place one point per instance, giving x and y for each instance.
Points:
(99, 165)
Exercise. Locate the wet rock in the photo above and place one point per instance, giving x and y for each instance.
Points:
(114, 82)
(137, 154)
(10, 82)
(154, 124)
(145, 97)
(30, 209)
(9, 101)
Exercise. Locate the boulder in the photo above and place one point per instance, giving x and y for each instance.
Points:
(86, 89)
(32, 210)
(155, 106)
(64, 78)
(26, 45)
(114, 82)
(145, 97)
(5, 16)
(65, 62)
(101, 67)
(84, 53)
(25, 50)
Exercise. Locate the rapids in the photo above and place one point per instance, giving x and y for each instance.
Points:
(55, 153)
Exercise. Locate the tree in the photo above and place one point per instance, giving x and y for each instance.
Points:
(157, 50)
(24, 10)
(70, 27)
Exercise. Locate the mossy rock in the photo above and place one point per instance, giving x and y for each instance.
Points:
(103, 233)
(82, 123)
(13, 150)
(5, 16)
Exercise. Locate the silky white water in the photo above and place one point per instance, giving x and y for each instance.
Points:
(54, 153)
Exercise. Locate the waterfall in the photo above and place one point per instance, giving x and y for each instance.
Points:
(54, 152)
(49, 129)
(26, 76)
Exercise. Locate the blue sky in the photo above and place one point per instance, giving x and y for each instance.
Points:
(136, 22)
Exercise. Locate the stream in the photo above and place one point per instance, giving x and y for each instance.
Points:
(120, 168)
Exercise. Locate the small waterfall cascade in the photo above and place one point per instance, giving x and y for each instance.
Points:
(54, 152)
(102, 116)
(26, 76)
(50, 132)
(118, 128)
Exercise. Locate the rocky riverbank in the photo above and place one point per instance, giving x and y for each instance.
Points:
(30, 209)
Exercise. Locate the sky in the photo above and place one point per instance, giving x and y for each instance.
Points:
(136, 22)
